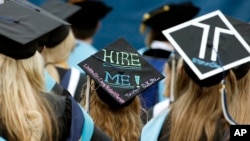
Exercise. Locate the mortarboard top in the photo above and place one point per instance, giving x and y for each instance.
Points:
(22, 25)
(62, 10)
(169, 15)
(120, 71)
(30, 5)
(91, 12)
(210, 45)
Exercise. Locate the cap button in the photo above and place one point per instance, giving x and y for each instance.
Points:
(209, 45)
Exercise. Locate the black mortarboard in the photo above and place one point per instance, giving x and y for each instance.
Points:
(62, 10)
(91, 12)
(241, 70)
(120, 71)
(210, 45)
(22, 27)
(169, 15)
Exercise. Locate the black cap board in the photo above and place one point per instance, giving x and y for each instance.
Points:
(22, 25)
(169, 15)
(90, 13)
(62, 10)
(211, 44)
(121, 71)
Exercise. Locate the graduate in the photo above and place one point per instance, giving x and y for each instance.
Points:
(28, 111)
(61, 42)
(208, 57)
(117, 75)
(85, 24)
(158, 48)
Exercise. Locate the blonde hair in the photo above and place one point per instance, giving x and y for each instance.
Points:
(167, 71)
(198, 109)
(182, 81)
(239, 108)
(24, 111)
(58, 54)
(123, 124)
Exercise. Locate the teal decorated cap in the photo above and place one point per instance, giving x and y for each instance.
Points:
(121, 72)
(211, 45)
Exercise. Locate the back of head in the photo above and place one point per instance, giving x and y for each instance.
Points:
(117, 123)
(25, 114)
(195, 106)
(62, 10)
(58, 54)
(84, 22)
(207, 63)
(23, 108)
(167, 16)
(119, 74)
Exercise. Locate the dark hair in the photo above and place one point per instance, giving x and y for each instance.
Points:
(85, 32)
(155, 35)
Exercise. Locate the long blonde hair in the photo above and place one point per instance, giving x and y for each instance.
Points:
(123, 124)
(58, 54)
(239, 108)
(198, 109)
(182, 81)
(24, 111)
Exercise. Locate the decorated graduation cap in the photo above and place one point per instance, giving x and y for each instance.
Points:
(168, 15)
(91, 12)
(23, 26)
(210, 45)
(121, 73)
(62, 10)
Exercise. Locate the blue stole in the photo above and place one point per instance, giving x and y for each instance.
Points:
(151, 131)
(88, 128)
(82, 126)
(49, 82)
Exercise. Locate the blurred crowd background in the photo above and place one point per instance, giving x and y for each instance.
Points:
(125, 18)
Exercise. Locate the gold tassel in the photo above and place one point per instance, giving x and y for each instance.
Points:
(142, 28)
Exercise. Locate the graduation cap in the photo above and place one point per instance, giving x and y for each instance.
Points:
(241, 70)
(23, 27)
(91, 12)
(62, 10)
(121, 72)
(168, 15)
(210, 45)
